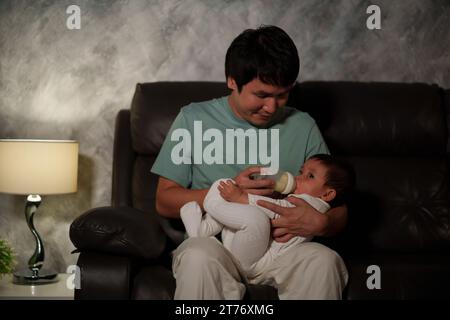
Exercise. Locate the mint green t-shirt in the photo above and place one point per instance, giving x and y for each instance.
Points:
(194, 156)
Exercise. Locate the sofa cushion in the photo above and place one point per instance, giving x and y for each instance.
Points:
(155, 106)
(144, 185)
(401, 204)
(356, 118)
(376, 119)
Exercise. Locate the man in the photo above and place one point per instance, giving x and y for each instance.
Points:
(261, 67)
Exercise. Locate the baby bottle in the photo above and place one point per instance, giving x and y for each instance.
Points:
(284, 181)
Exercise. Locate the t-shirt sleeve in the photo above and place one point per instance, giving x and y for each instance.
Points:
(315, 144)
(165, 166)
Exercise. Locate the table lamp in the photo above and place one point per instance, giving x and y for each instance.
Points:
(35, 168)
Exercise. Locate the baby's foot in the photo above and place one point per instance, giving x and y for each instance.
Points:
(191, 215)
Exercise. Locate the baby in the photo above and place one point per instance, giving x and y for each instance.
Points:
(322, 182)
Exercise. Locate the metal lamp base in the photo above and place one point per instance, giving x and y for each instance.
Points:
(35, 274)
(28, 277)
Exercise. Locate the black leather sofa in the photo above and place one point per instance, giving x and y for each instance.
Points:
(395, 135)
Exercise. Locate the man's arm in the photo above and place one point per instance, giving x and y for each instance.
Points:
(170, 197)
(303, 220)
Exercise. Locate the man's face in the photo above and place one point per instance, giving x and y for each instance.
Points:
(257, 102)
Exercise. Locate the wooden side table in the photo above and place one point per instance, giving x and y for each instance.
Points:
(50, 291)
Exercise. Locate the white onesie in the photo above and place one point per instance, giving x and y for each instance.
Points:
(245, 227)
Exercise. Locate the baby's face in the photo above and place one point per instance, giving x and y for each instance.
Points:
(311, 179)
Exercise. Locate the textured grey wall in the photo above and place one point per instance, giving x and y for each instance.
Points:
(57, 83)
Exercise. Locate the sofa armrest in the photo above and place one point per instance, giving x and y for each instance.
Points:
(103, 276)
(120, 231)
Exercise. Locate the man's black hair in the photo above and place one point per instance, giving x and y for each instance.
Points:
(340, 176)
(266, 53)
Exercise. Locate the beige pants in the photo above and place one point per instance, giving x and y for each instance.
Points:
(205, 269)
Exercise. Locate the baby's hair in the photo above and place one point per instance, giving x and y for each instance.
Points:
(340, 176)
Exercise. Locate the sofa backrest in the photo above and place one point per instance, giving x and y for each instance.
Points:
(153, 109)
(395, 135)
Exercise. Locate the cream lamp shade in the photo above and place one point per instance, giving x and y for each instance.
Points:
(40, 167)
(35, 168)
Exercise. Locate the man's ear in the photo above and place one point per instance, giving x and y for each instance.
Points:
(231, 83)
(329, 195)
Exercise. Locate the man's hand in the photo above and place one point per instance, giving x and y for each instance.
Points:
(262, 187)
(231, 192)
(301, 220)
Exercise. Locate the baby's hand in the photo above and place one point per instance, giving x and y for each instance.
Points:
(231, 192)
